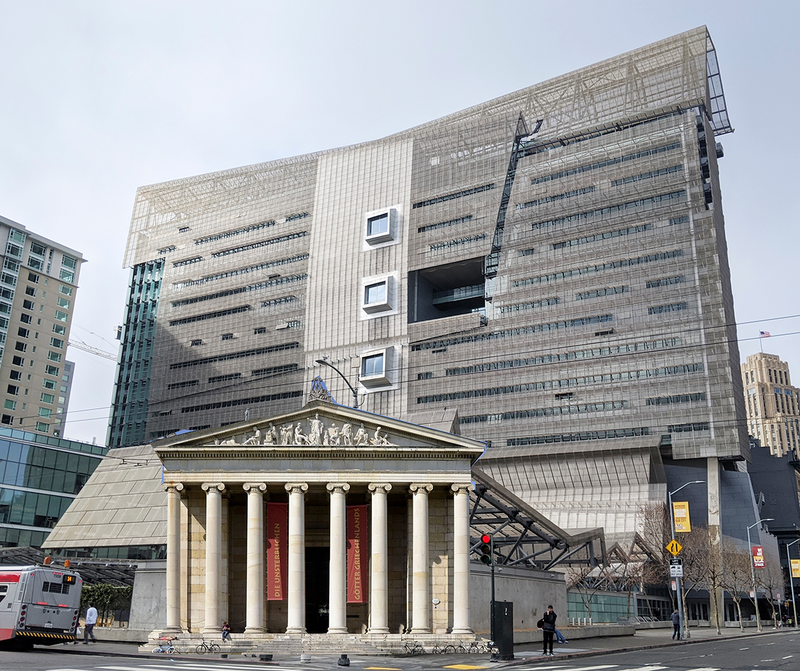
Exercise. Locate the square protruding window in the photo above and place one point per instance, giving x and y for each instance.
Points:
(377, 296)
(381, 226)
(376, 368)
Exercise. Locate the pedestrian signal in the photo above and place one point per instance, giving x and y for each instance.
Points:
(486, 550)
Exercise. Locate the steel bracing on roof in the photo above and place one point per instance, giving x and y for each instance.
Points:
(521, 536)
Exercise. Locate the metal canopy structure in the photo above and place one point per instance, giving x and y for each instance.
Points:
(521, 536)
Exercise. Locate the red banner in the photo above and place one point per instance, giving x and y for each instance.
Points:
(277, 549)
(357, 557)
(758, 556)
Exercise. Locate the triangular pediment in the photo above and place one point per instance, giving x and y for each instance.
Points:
(321, 424)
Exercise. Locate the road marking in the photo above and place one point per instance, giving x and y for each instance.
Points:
(705, 668)
(381, 668)
(464, 666)
(787, 657)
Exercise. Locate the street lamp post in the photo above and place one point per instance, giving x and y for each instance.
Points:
(791, 582)
(341, 375)
(753, 571)
(678, 581)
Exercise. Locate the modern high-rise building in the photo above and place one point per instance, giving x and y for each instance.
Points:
(772, 404)
(38, 286)
(552, 264)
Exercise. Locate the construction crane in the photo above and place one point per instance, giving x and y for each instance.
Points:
(93, 350)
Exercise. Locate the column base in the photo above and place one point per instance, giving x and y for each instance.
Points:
(337, 630)
(296, 630)
(378, 630)
(254, 630)
(464, 631)
(418, 630)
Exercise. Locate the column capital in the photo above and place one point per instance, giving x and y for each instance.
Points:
(459, 488)
(421, 487)
(174, 486)
(258, 486)
(375, 486)
(296, 487)
(208, 486)
(338, 487)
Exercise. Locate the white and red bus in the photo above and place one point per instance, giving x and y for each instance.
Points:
(38, 604)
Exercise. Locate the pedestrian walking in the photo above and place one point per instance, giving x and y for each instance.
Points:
(89, 622)
(676, 625)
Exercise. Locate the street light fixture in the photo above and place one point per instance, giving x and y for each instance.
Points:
(791, 582)
(341, 375)
(753, 571)
(678, 583)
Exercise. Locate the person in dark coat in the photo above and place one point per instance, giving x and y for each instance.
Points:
(676, 625)
(548, 630)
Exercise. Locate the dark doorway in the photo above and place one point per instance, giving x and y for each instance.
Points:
(317, 577)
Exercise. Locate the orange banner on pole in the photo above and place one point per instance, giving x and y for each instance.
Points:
(680, 512)
(357, 554)
(277, 549)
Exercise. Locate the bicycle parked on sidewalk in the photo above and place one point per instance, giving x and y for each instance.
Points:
(166, 645)
(206, 647)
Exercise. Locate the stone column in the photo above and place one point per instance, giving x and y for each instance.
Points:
(296, 605)
(173, 587)
(716, 605)
(337, 595)
(461, 558)
(254, 619)
(421, 580)
(212, 624)
(379, 578)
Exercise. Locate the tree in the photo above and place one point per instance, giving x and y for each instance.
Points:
(735, 573)
(106, 598)
(771, 578)
(587, 581)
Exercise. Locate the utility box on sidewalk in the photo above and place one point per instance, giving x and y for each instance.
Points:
(503, 627)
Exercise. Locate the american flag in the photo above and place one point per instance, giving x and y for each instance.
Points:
(764, 334)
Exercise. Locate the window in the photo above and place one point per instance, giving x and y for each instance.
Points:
(66, 275)
(61, 316)
(63, 303)
(12, 390)
(38, 249)
(13, 250)
(54, 356)
(259, 330)
(375, 368)
(45, 412)
(49, 384)
(52, 370)
(42, 427)
(48, 398)
(33, 277)
(25, 319)
(22, 332)
(21, 347)
(61, 330)
(7, 419)
(196, 342)
(14, 375)
(30, 291)
(376, 296)
(64, 289)
(10, 405)
(57, 343)
(227, 336)
(381, 226)
(69, 262)
(18, 361)
(372, 365)
(27, 305)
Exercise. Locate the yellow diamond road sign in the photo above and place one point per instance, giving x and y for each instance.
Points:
(674, 547)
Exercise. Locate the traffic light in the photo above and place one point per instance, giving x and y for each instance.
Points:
(486, 548)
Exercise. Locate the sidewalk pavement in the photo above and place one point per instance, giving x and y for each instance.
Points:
(524, 653)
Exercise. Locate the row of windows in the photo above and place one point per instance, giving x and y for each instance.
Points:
(586, 380)
(240, 290)
(244, 401)
(209, 315)
(555, 198)
(683, 219)
(240, 271)
(593, 353)
(647, 175)
(686, 428)
(257, 245)
(455, 243)
(665, 281)
(603, 434)
(187, 262)
(676, 398)
(275, 370)
(671, 307)
(37, 510)
(598, 268)
(278, 301)
(444, 224)
(607, 235)
(235, 355)
(511, 333)
(224, 378)
(528, 306)
(598, 293)
(604, 164)
(546, 412)
(611, 209)
(236, 231)
(453, 196)
(286, 368)
(181, 385)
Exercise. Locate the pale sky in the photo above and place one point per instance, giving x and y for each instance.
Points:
(99, 97)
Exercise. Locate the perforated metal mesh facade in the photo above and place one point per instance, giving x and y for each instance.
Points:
(604, 313)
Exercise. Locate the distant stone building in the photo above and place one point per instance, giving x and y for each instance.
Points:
(772, 404)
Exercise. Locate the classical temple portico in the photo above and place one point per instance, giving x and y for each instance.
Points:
(328, 521)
